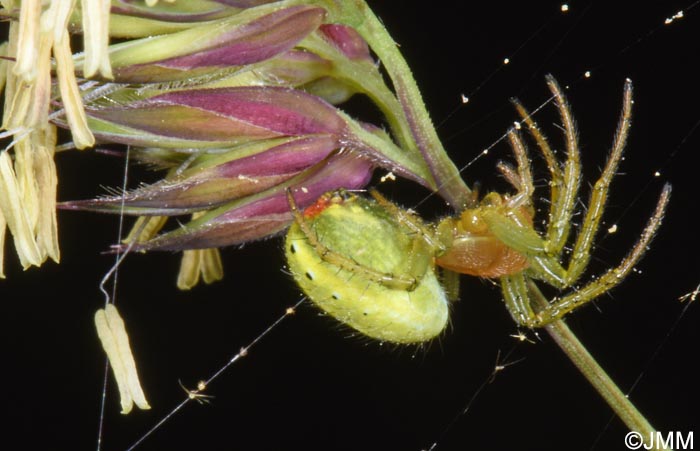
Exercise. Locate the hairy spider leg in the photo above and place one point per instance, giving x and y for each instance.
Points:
(522, 179)
(613, 276)
(409, 219)
(544, 253)
(544, 258)
(449, 279)
(517, 293)
(599, 195)
(548, 265)
(563, 184)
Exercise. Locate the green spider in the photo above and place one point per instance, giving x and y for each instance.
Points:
(372, 265)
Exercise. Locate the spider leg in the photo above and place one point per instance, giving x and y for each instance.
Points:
(524, 239)
(510, 174)
(408, 219)
(564, 184)
(612, 277)
(524, 175)
(424, 242)
(450, 283)
(395, 281)
(545, 261)
(543, 264)
(557, 180)
(516, 292)
(584, 242)
(517, 301)
(562, 211)
(544, 252)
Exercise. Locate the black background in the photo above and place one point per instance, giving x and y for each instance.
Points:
(309, 385)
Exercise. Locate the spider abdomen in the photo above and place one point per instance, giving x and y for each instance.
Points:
(354, 260)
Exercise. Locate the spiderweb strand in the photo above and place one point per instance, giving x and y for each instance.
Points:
(114, 270)
(499, 366)
(192, 396)
(654, 355)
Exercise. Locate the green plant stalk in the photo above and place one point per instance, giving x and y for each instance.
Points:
(410, 161)
(593, 372)
(358, 14)
(369, 82)
(450, 184)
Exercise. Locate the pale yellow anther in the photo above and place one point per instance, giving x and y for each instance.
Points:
(3, 229)
(3, 66)
(28, 177)
(115, 342)
(38, 112)
(27, 100)
(199, 262)
(96, 38)
(15, 214)
(55, 18)
(212, 268)
(145, 228)
(26, 183)
(28, 40)
(190, 265)
(70, 94)
(46, 228)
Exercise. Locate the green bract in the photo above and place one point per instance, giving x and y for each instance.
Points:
(362, 240)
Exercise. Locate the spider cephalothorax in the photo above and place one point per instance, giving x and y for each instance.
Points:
(470, 247)
(378, 261)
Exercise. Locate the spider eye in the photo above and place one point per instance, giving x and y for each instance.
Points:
(363, 262)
